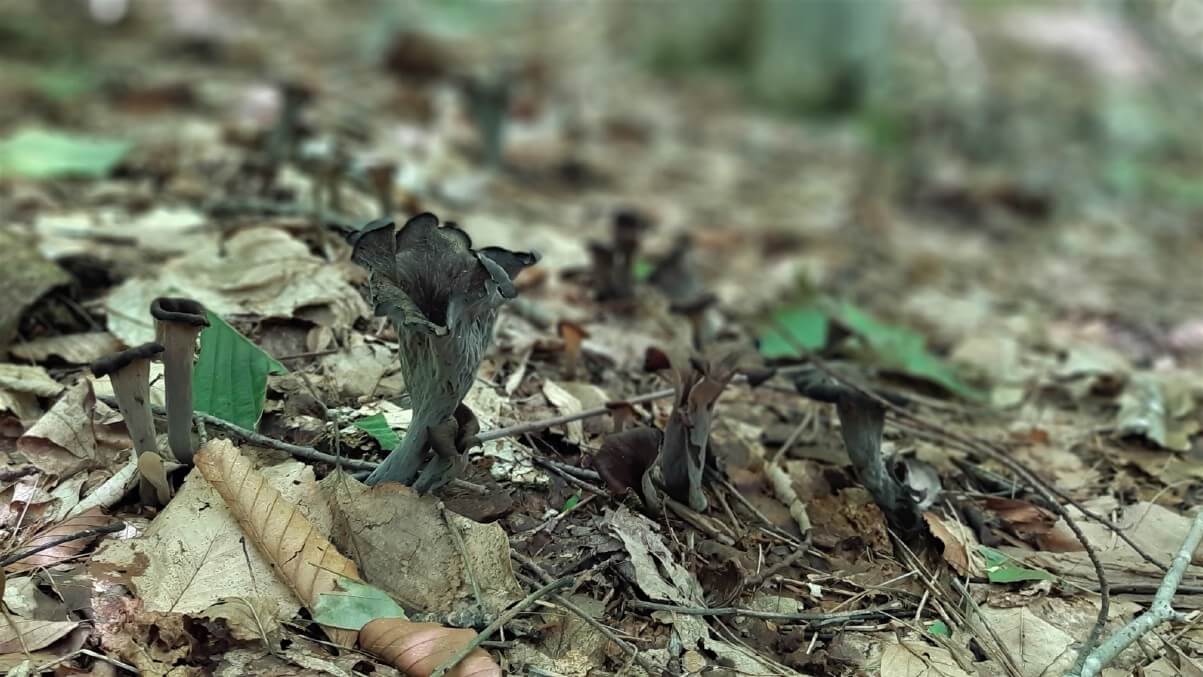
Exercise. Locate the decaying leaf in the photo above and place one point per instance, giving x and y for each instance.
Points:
(72, 348)
(417, 649)
(33, 635)
(353, 605)
(63, 551)
(298, 551)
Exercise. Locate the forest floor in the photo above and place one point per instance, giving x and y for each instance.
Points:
(1040, 354)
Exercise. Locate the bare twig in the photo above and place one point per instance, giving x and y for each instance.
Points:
(501, 620)
(458, 539)
(1161, 610)
(559, 599)
(996, 454)
(816, 618)
(22, 553)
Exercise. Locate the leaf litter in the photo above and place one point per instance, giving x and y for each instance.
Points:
(909, 321)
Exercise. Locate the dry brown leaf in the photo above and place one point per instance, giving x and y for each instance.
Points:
(308, 562)
(63, 551)
(36, 634)
(954, 550)
(72, 348)
(418, 649)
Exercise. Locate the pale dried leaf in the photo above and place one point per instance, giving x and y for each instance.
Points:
(1039, 647)
(566, 404)
(308, 562)
(64, 440)
(63, 551)
(112, 490)
(417, 649)
(36, 634)
(24, 378)
(917, 659)
(71, 348)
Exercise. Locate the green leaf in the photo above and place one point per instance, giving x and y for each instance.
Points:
(939, 629)
(353, 604)
(377, 426)
(642, 269)
(1003, 569)
(43, 154)
(229, 380)
(571, 502)
(902, 350)
(807, 325)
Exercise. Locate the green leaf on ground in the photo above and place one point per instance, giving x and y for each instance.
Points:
(807, 325)
(939, 629)
(1002, 569)
(44, 154)
(229, 380)
(902, 350)
(571, 502)
(353, 604)
(642, 269)
(377, 426)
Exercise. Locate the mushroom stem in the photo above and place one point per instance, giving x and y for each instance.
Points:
(179, 321)
(129, 372)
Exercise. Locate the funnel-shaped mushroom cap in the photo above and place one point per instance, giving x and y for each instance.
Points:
(183, 311)
(428, 275)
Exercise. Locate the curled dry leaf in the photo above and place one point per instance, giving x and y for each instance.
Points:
(418, 649)
(625, 459)
(304, 558)
(63, 551)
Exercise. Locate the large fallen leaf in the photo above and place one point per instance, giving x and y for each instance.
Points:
(35, 634)
(566, 404)
(298, 551)
(24, 278)
(114, 232)
(21, 386)
(193, 556)
(67, 438)
(46, 154)
(1158, 408)
(402, 542)
(806, 324)
(1039, 647)
(63, 551)
(259, 271)
(918, 659)
(229, 380)
(71, 348)
(417, 649)
(902, 350)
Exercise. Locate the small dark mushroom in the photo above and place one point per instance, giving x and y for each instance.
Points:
(625, 460)
(129, 370)
(687, 434)
(177, 324)
(573, 335)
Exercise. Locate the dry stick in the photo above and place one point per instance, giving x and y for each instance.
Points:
(458, 538)
(22, 553)
(817, 618)
(501, 620)
(629, 648)
(1159, 612)
(997, 454)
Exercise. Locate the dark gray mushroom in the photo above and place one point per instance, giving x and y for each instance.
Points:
(687, 433)
(177, 323)
(129, 371)
(380, 175)
(442, 297)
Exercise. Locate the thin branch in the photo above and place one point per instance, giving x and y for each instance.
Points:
(22, 553)
(501, 620)
(1159, 612)
(998, 454)
(559, 599)
(816, 618)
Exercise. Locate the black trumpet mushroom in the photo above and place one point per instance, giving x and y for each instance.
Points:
(129, 370)
(177, 324)
(442, 297)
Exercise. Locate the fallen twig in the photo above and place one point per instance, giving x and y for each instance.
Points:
(817, 618)
(559, 599)
(501, 620)
(989, 450)
(22, 553)
(1159, 612)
